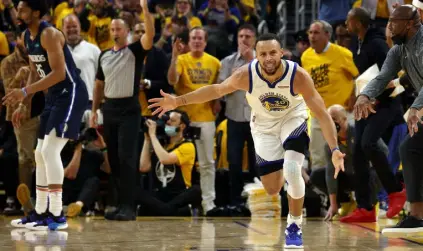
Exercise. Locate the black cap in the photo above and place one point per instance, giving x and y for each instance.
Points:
(301, 36)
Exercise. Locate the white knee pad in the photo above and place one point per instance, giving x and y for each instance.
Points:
(40, 167)
(52, 147)
(292, 165)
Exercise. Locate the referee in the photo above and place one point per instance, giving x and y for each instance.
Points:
(118, 78)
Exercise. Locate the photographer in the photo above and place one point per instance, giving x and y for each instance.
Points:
(173, 192)
(83, 160)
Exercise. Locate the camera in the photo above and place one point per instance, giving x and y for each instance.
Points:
(161, 124)
(88, 135)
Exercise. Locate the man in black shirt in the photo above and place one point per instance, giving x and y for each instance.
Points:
(118, 78)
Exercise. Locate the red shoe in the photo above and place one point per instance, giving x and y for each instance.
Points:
(360, 215)
(396, 203)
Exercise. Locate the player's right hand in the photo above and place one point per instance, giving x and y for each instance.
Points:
(93, 120)
(362, 107)
(162, 105)
(338, 162)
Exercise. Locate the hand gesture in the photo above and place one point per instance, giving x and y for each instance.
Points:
(412, 120)
(167, 103)
(18, 116)
(362, 107)
(338, 162)
(152, 126)
(93, 120)
(177, 48)
(13, 97)
(332, 211)
(144, 5)
(246, 52)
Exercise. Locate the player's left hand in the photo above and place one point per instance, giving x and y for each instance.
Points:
(412, 121)
(13, 97)
(338, 162)
(152, 126)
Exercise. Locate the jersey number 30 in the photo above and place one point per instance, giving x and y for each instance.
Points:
(40, 70)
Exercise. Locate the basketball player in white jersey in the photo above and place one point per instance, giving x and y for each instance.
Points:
(278, 92)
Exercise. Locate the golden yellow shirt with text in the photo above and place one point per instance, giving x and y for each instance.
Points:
(332, 72)
(195, 73)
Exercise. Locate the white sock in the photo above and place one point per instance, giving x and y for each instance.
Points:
(41, 200)
(55, 197)
(298, 220)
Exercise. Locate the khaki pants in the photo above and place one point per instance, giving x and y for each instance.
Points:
(26, 137)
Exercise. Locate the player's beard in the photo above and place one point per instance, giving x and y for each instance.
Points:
(273, 71)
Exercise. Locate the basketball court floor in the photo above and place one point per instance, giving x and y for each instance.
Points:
(206, 234)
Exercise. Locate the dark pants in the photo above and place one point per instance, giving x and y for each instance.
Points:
(9, 172)
(87, 193)
(238, 133)
(165, 204)
(344, 180)
(411, 152)
(121, 129)
(367, 133)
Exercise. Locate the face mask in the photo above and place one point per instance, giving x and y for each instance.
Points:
(171, 130)
(338, 127)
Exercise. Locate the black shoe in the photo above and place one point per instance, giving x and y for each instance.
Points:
(218, 212)
(111, 215)
(239, 211)
(408, 225)
(126, 213)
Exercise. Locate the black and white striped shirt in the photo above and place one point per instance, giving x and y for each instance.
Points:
(121, 70)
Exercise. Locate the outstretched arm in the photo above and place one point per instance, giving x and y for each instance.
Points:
(238, 81)
(147, 38)
(303, 84)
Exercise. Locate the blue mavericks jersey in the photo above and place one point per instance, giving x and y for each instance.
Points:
(38, 55)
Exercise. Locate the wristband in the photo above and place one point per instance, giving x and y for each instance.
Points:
(24, 92)
(334, 149)
(103, 150)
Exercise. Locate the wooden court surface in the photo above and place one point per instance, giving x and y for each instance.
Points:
(206, 234)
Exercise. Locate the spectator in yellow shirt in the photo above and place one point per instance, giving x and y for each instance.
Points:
(332, 70)
(187, 73)
(4, 46)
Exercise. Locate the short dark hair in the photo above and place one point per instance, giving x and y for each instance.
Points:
(248, 26)
(361, 15)
(268, 37)
(38, 5)
(184, 119)
(206, 35)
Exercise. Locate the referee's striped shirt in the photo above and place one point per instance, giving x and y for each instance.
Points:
(121, 70)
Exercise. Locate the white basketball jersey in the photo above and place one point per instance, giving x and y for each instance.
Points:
(274, 101)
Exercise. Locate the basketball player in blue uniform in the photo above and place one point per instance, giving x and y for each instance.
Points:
(66, 99)
(278, 92)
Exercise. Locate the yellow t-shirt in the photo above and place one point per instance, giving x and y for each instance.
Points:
(144, 104)
(196, 73)
(4, 45)
(59, 19)
(332, 72)
(193, 21)
(58, 10)
(102, 33)
(186, 156)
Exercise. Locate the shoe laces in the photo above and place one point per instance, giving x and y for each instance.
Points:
(293, 231)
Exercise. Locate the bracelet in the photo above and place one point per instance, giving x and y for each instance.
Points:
(24, 92)
(334, 149)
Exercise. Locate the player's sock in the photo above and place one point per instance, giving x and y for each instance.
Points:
(41, 200)
(55, 196)
(294, 219)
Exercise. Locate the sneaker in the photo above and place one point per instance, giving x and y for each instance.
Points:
(126, 213)
(31, 218)
(409, 225)
(360, 215)
(24, 197)
(396, 203)
(50, 222)
(347, 208)
(293, 237)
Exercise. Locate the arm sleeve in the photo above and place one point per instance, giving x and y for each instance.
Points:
(418, 102)
(389, 71)
(137, 50)
(100, 73)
